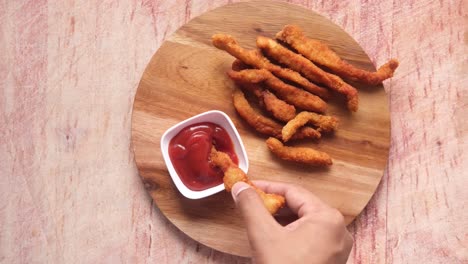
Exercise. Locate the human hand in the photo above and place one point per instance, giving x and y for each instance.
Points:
(319, 235)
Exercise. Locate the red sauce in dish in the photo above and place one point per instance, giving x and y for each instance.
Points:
(189, 151)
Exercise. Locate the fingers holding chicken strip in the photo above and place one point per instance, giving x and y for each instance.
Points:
(233, 174)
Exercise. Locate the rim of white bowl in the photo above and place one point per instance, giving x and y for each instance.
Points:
(214, 116)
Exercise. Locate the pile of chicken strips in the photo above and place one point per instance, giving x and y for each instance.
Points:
(292, 77)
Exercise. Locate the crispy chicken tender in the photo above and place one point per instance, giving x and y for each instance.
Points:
(280, 110)
(233, 174)
(263, 124)
(255, 88)
(309, 70)
(324, 123)
(277, 107)
(255, 59)
(321, 53)
(289, 93)
(298, 154)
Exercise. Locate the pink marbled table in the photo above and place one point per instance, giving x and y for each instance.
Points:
(70, 192)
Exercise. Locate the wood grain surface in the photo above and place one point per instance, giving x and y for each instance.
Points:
(187, 76)
(69, 187)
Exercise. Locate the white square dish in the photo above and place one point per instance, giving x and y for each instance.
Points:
(216, 117)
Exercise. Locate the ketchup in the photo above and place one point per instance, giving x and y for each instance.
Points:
(190, 149)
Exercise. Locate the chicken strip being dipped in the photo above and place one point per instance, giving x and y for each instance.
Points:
(233, 174)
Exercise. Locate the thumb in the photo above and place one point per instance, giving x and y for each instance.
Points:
(256, 217)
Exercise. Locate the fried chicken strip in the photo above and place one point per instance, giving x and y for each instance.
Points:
(255, 88)
(289, 93)
(324, 123)
(277, 107)
(255, 59)
(263, 124)
(321, 53)
(298, 154)
(308, 69)
(233, 174)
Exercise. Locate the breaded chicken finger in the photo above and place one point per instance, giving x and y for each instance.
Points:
(320, 53)
(298, 154)
(324, 123)
(277, 107)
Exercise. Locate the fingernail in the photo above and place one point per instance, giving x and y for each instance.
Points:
(238, 188)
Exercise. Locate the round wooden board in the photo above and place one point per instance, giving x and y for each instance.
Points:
(187, 76)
